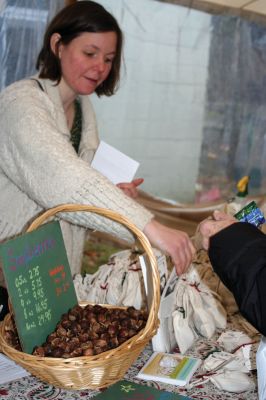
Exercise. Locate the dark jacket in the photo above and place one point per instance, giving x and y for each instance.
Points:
(238, 256)
(3, 302)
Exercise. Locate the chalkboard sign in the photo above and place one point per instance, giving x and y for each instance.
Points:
(125, 390)
(39, 282)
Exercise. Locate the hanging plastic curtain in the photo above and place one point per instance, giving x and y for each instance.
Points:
(22, 25)
(234, 136)
(192, 112)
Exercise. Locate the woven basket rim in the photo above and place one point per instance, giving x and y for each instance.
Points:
(134, 343)
(54, 360)
(154, 306)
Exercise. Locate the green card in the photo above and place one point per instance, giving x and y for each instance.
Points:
(125, 390)
(39, 282)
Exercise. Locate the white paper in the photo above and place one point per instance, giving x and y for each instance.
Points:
(144, 264)
(114, 164)
(147, 279)
(164, 339)
(10, 371)
(159, 339)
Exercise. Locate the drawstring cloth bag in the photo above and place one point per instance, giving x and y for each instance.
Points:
(196, 310)
(184, 331)
(119, 282)
(233, 377)
(202, 311)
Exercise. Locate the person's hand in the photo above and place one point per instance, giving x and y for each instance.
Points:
(130, 188)
(210, 227)
(173, 242)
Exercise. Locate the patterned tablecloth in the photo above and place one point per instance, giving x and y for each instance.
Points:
(32, 388)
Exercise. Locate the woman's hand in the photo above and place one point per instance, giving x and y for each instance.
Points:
(173, 242)
(130, 188)
(210, 227)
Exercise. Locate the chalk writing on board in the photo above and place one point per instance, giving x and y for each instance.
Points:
(33, 302)
(39, 282)
(28, 254)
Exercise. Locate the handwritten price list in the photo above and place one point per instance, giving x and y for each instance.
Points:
(39, 282)
(32, 294)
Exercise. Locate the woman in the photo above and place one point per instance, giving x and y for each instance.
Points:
(237, 252)
(49, 137)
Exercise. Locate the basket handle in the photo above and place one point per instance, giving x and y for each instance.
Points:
(151, 326)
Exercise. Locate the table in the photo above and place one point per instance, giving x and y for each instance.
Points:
(33, 388)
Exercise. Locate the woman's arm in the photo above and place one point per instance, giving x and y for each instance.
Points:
(37, 156)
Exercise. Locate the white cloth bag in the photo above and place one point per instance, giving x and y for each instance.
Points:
(182, 319)
(198, 311)
(261, 368)
(210, 301)
(233, 377)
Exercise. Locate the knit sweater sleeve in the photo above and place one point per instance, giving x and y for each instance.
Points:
(39, 159)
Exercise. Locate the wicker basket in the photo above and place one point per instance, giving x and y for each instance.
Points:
(90, 372)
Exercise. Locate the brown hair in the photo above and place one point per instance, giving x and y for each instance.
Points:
(70, 22)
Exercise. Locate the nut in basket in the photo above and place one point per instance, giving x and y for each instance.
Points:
(92, 368)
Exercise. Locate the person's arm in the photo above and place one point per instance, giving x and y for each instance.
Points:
(238, 256)
(40, 160)
(173, 242)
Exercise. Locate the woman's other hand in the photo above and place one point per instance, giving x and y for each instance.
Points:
(210, 227)
(173, 242)
(130, 188)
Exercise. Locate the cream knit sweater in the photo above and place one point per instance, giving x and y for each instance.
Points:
(40, 169)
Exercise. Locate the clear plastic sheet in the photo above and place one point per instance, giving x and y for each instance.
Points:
(232, 139)
(234, 135)
(22, 25)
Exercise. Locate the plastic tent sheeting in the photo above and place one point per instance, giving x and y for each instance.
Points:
(233, 133)
(22, 25)
(186, 217)
(234, 139)
(252, 9)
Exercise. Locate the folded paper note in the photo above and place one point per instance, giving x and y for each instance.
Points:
(114, 164)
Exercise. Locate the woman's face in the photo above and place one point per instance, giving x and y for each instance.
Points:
(87, 60)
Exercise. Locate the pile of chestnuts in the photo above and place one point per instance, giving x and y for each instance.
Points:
(11, 336)
(91, 330)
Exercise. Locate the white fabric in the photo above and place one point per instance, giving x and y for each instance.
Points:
(210, 300)
(40, 169)
(182, 320)
(261, 369)
(202, 319)
(235, 382)
(198, 310)
(233, 377)
(237, 363)
(193, 311)
(119, 282)
(230, 340)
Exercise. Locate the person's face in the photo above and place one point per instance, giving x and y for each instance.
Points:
(87, 60)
